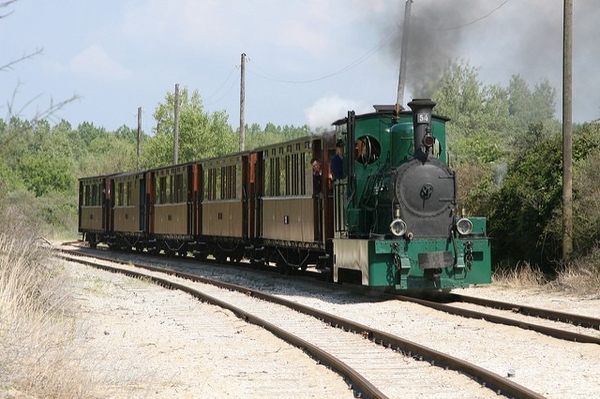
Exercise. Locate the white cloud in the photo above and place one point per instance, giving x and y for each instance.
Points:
(96, 63)
(311, 26)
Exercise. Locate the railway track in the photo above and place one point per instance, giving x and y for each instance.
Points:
(531, 318)
(361, 354)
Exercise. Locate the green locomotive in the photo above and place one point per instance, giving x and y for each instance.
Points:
(396, 222)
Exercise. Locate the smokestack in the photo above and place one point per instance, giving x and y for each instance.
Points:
(422, 109)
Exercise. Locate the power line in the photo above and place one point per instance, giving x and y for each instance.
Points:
(268, 76)
(222, 85)
(476, 20)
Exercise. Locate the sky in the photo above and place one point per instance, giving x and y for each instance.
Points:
(307, 61)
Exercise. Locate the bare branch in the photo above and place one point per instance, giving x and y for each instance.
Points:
(53, 108)
(24, 57)
(6, 4)
(12, 109)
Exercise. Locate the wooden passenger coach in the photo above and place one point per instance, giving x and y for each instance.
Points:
(294, 222)
(129, 203)
(93, 209)
(169, 198)
(289, 205)
(224, 205)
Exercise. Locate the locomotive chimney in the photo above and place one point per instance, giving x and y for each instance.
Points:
(422, 126)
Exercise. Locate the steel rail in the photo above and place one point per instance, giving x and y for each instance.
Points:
(579, 320)
(550, 331)
(493, 381)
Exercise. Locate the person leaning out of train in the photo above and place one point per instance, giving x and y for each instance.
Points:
(317, 176)
(336, 165)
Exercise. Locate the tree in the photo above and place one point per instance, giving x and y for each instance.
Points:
(526, 213)
(128, 134)
(88, 132)
(256, 137)
(479, 120)
(525, 204)
(43, 172)
(201, 135)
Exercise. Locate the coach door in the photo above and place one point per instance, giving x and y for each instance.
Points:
(142, 202)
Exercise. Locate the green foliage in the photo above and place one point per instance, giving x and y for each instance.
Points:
(527, 107)
(256, 137)
(88, 132)
(201, 135)
(43, 172)
(127, 134)
(109, 154)
(526, 217)
(476, 183)
(586, 190)
(479, 123)
(527, 201)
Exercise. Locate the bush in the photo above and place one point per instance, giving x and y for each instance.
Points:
(523, 208)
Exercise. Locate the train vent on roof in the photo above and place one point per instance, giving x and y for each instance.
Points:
(386, 109)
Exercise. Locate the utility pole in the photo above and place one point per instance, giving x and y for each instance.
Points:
(567, 128)
(139, 136)
(403, 56)
(176, 127)
(243, 103)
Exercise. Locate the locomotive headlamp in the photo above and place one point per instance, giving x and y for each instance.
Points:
(464, 226)
(428, 141)
(398, 227)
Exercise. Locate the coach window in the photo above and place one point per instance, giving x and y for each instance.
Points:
(280, 162)
(295, 175)
(307, 176)
(210, 184)
(276, 176)
(121, 195)
(86, 196)
(232, 182)
(268, 179)
(224, 182)
(94, 196)
(179, 188)
(161, 189)
(128, 194)
(287, 178)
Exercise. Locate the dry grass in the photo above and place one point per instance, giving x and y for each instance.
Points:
(580, 278)
(36, 332)
(522, 276)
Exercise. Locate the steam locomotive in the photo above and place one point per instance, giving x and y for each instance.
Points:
(390, 221)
